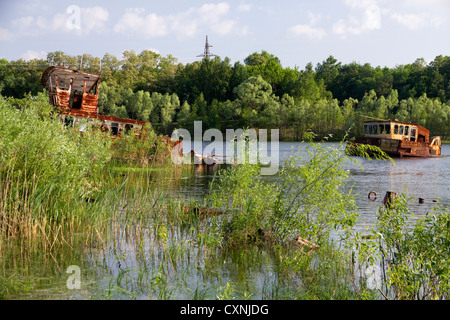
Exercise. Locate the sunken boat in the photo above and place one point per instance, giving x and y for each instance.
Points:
(75, 94)
(400, 139)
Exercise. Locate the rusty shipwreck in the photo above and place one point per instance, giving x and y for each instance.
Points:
(400, 139)
(75, 93)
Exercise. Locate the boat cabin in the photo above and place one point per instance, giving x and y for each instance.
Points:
(75, 93)
(396, 131)
(72, 90)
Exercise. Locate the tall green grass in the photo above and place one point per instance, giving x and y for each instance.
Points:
(59, 191)
(47, 170)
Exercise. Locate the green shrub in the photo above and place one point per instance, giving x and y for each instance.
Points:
(413, 253)
(142, 149)
(306, 200)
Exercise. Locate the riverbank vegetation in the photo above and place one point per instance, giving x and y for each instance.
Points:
(331, 97)
(65, 201)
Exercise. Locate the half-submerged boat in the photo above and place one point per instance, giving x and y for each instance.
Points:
(75, 93)
(400, 139)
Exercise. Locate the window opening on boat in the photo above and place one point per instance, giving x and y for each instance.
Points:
(114, 128)
(412, 137)
(128, 128)
(76, 99)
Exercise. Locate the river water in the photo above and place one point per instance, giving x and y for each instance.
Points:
(427, 178)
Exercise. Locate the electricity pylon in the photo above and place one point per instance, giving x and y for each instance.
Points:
(207, 53)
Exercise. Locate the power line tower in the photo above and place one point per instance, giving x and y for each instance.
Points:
(207, 53)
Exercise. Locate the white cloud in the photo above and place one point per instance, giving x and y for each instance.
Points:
(80, 21)
(41, 23)
(242, 31)
(244, 7)
(183, 24)
(89, 19)
(360, 4)
(411, 21)
(314, 18)
(365, 16)
(427, 4)
(414, 21)
(308, 30)
(93, 19)
(212, 12)
(24, 23)
(5, 34)
(134, 21)
(224, 27)
(417, 14)
(31, 54)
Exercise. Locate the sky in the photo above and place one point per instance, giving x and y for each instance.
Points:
(379, 32)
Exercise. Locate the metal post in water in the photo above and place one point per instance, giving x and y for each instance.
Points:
(389, 198)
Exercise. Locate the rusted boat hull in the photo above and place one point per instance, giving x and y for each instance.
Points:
(398, 148)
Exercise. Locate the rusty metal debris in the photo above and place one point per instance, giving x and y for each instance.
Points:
(306, 244)
(202, 212)
(374, 195)
(389, 199)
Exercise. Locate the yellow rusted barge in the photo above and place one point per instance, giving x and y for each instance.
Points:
(400, 139)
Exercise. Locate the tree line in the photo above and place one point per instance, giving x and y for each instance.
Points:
(259, 92)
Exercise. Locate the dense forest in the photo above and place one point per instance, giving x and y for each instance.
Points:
(329, 98)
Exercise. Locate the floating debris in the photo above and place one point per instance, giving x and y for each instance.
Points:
(203, 212)
(306, 244)
(374, 196)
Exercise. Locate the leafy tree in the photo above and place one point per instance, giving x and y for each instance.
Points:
(183, 117)
(267, 66)
(147, 107)
(298, 118)
(110, 65)
(21, 77)
(258, 103)
(165, 74)
(260, 59)
(58, 58)
(164, 110)
(239, 74)
(328, 70)
(209, 76)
